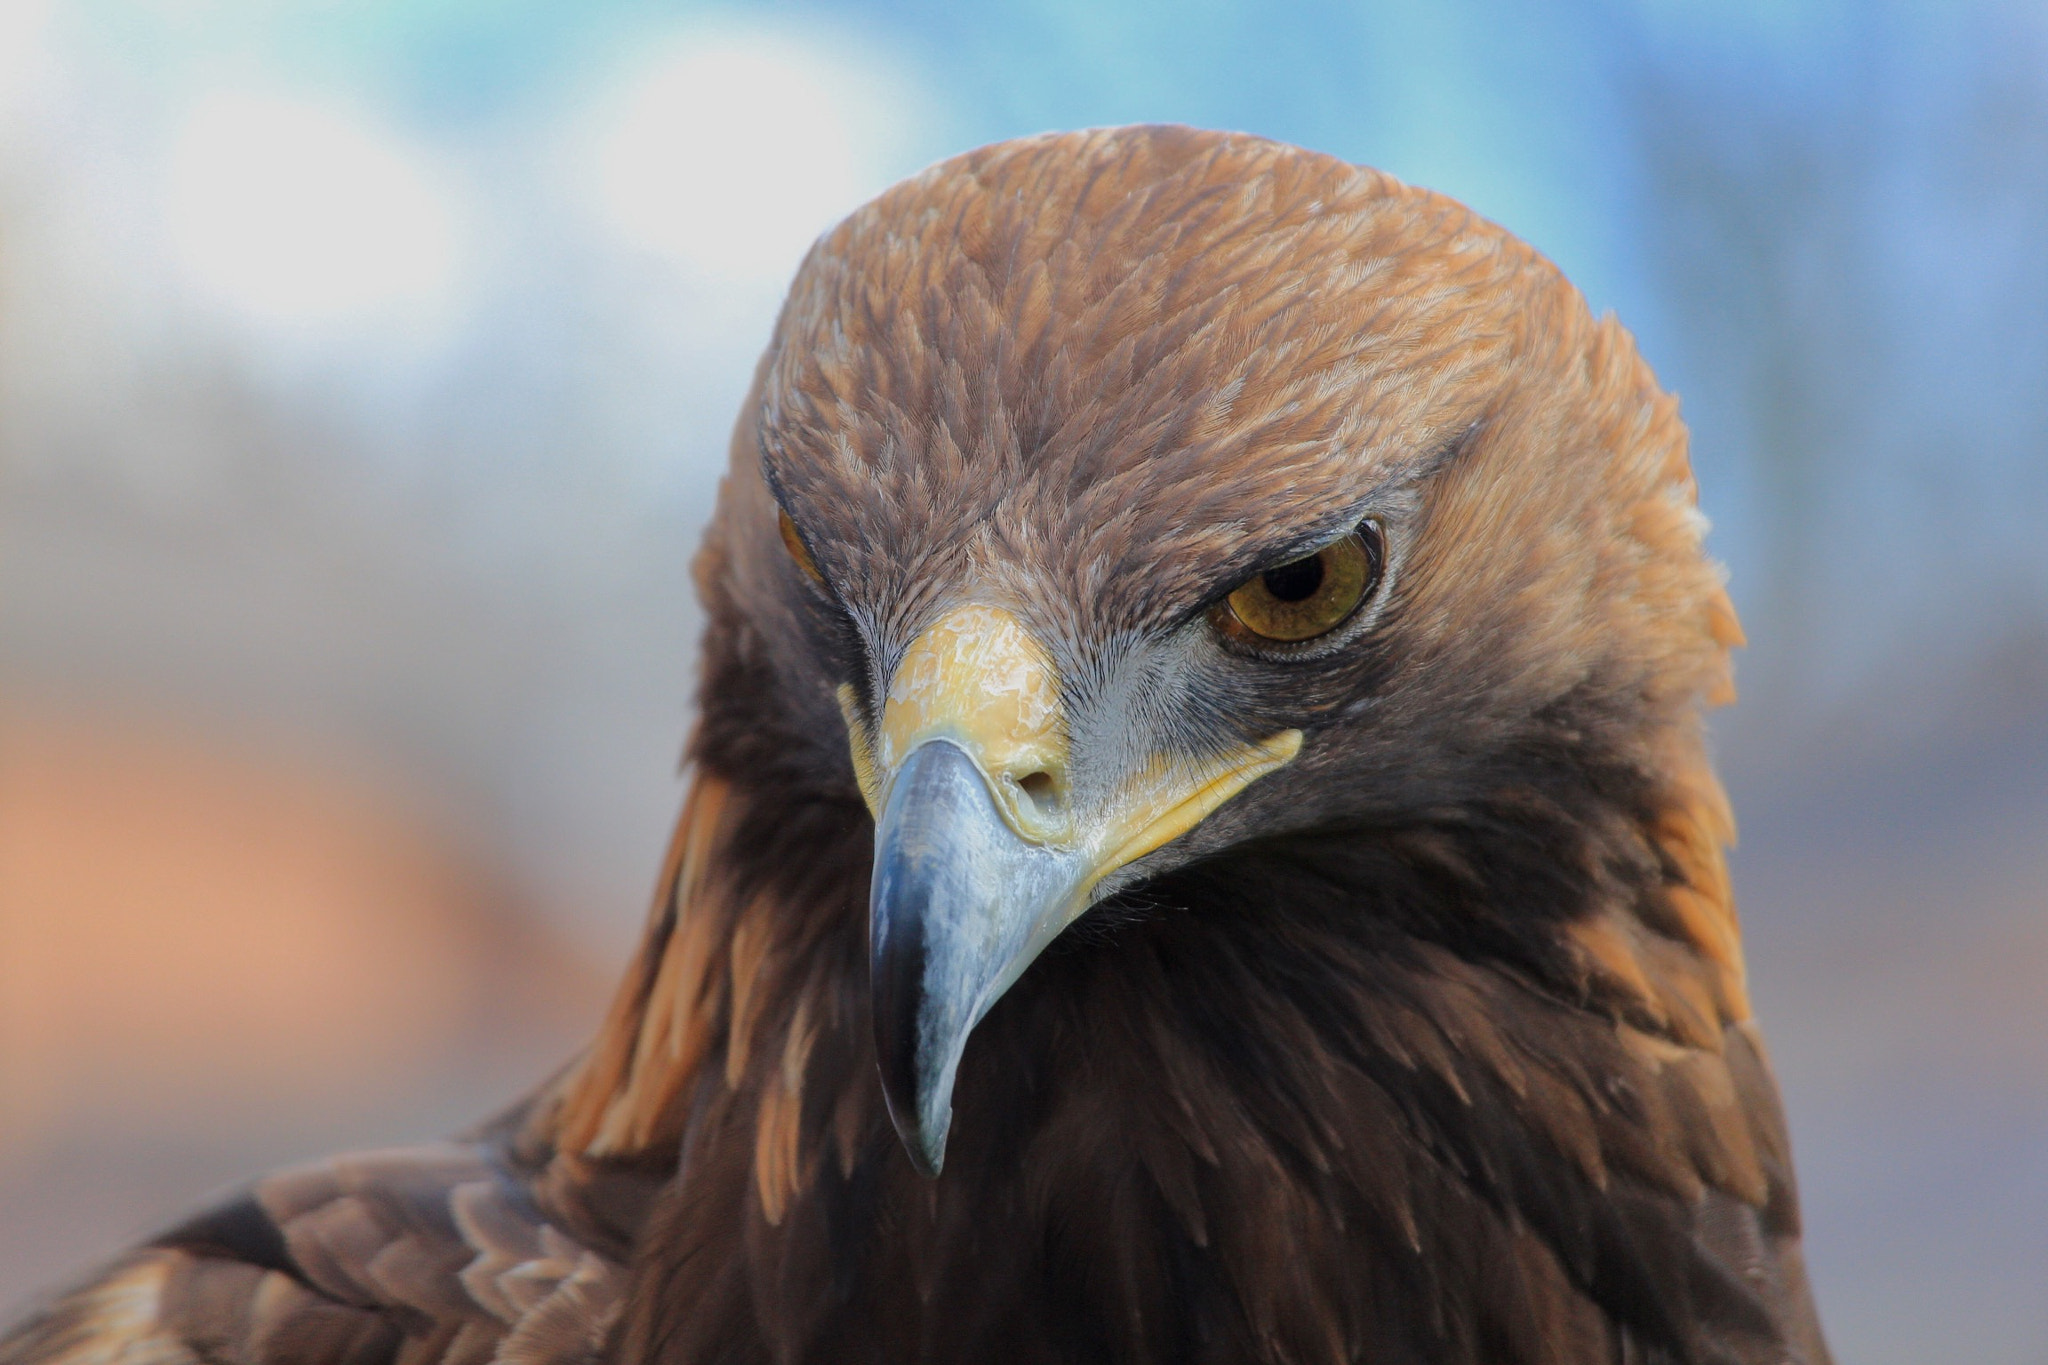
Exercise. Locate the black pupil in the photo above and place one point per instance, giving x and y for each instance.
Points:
(1296, 582)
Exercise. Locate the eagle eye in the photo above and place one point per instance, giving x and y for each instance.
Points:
(1305, 597)
(798, 551)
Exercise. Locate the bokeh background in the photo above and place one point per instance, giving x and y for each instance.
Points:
(365, 371)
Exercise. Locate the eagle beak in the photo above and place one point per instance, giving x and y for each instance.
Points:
(983, 851)
(958, 908)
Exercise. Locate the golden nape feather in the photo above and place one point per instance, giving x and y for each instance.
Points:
(1200, 846)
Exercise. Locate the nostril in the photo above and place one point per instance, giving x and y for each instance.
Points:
(1040, 787)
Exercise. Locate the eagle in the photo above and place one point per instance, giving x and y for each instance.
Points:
(1200, 846)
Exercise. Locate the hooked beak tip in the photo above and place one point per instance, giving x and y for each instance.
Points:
(924, 1144)
(919, 1106)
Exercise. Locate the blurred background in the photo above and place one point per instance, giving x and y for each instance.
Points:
(365, 373)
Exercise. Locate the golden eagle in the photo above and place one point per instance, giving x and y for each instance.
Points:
(1200, 846)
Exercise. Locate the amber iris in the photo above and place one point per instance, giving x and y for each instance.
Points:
(794, 543)
(1306, 597)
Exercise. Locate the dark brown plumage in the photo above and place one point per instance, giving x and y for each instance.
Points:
(1428, 1043)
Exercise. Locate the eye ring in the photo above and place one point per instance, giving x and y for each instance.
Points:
(1305, 598)
(798, 551)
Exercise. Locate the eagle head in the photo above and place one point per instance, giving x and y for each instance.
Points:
(1143, 502)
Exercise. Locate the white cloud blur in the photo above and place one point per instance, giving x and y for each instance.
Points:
(295, 213)
(730, 152)
(24, 59)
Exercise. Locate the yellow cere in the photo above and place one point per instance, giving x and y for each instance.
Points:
(978, 678)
